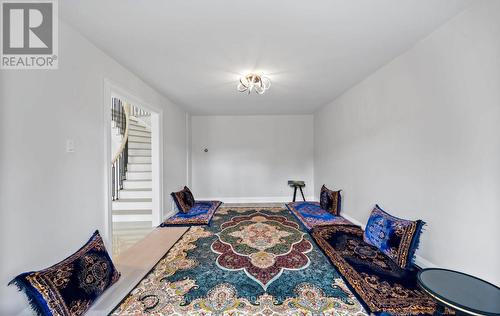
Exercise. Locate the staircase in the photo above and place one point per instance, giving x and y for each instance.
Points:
(134, 203)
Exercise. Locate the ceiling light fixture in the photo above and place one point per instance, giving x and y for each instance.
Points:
(253, 81)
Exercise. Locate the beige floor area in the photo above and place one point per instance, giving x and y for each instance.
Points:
(127, 234)
(134, 263)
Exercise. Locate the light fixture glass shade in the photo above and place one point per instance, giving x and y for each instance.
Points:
(253, 81)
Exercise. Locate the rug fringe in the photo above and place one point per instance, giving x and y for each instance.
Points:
(20, 283)
(415, 243)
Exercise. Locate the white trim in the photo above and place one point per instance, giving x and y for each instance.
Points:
(169, 214)
(108, 213)
(188, 149)
(419, 261)
(349, 218)
(111, 89)
(265, 199)
(424, 263)
(157, 166)
(171, 211)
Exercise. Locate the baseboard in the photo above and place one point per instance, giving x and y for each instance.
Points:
(424, 263)
(351, 219)
(419, 261)
(169, 214)
(172, 211)
(267, 199)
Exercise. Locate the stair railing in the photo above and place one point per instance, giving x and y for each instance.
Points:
(138, 112)
(120, 115)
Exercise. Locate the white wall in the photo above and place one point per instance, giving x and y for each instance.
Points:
(251, 158)
(421, 137)
(52, 201)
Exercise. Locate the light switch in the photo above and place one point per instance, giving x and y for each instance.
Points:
(70, 146)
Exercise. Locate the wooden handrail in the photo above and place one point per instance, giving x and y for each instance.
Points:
(126, 109)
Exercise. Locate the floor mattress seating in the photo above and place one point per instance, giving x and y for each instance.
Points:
(380, 283)
(200, 214)
(310, 214)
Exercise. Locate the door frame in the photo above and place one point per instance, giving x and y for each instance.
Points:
(111, 90)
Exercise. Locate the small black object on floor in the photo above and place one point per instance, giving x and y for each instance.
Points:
(295, 185)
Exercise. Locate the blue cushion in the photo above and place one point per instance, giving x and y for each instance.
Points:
(312, 209)
(72, 285)
(200, 214)
(397, 238)
(312, 215)
(200, 207)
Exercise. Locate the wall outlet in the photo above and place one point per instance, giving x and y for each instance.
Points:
(70, 146)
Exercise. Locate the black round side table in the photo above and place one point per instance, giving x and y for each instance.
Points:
(465, 294)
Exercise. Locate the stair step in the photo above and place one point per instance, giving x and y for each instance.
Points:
(138, 123)
(128, 226)
(132, 204)
(137, 145)
(137, 128)
(133, 128)
(139, 159)
(137, 184)
(142, 139)
(139, 152)
(136, 194)
(129, 211)
(139, 175)
(139, 133)
(139, 166)
(122, 218)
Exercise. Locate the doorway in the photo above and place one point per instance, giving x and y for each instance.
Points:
(134, 174)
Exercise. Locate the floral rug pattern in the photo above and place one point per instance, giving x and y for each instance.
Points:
(261, 245)
(247, 262)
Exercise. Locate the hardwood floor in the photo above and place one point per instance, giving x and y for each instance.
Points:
(134, 263)
(127, 234)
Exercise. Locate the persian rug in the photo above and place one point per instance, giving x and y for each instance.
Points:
(200, 214)
(310, 214)
(378, 281)
(247, 262)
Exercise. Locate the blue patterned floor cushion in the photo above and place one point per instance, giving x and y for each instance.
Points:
(72, 285)
(200, 214)
(397, 238)
(312, 215)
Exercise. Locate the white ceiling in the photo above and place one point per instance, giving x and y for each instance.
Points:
(193, 51)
